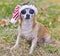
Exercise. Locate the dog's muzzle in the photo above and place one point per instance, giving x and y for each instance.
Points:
(27, 16)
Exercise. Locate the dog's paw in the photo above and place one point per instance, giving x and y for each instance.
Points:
(30, 53)
(13, 48)
(12, 51)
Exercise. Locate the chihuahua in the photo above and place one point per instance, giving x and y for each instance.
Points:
(30, 29)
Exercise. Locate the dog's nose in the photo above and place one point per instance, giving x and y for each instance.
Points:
(27, 16)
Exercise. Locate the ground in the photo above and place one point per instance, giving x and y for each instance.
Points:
(49, 15)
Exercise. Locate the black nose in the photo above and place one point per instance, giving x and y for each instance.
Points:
(27, 16)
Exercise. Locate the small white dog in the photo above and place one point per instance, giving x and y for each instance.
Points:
(30, 29)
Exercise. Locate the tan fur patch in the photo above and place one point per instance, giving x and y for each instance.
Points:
(33, 24)
(20, 22)
(42, 31)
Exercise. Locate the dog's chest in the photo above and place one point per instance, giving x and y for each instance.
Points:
(28, 32)
(26, 26)
(26, 29)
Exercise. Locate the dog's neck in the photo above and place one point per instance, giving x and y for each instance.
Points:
(27, 25)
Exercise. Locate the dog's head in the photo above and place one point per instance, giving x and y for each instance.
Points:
(28, 12)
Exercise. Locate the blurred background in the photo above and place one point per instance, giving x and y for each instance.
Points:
(49, 15)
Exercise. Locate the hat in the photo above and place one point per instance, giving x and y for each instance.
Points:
(18, 10)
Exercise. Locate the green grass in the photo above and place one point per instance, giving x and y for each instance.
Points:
(48, 14)
(51, 49)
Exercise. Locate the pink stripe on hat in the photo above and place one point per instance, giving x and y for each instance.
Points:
(15, 11)
(16, 16)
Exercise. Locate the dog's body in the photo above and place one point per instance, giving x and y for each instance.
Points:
(32, 31)
(39, 31)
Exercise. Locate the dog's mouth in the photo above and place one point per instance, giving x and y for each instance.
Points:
(27, 18)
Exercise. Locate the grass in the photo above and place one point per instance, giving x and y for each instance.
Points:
(49, 13)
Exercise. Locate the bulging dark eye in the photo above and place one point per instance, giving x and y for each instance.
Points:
(23, 11)
(31, 11)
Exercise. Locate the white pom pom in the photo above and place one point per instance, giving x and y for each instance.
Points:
(13, 20)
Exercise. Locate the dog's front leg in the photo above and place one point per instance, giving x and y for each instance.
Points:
(34, 42)
(17, 41)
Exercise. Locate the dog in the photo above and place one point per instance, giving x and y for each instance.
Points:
(30, 29)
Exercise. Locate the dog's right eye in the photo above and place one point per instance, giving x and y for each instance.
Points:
(23, 11)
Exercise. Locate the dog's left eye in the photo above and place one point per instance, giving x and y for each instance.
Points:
(31, 11)
(23, 11)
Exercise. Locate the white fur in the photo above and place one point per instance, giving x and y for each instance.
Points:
(47, 38)
(26, 28)
(13, 20)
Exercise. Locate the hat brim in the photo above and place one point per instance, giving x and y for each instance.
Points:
(28, 6)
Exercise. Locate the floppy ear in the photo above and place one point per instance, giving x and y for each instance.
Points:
(15, 15)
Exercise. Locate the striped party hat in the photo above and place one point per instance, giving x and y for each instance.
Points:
(15, 15)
